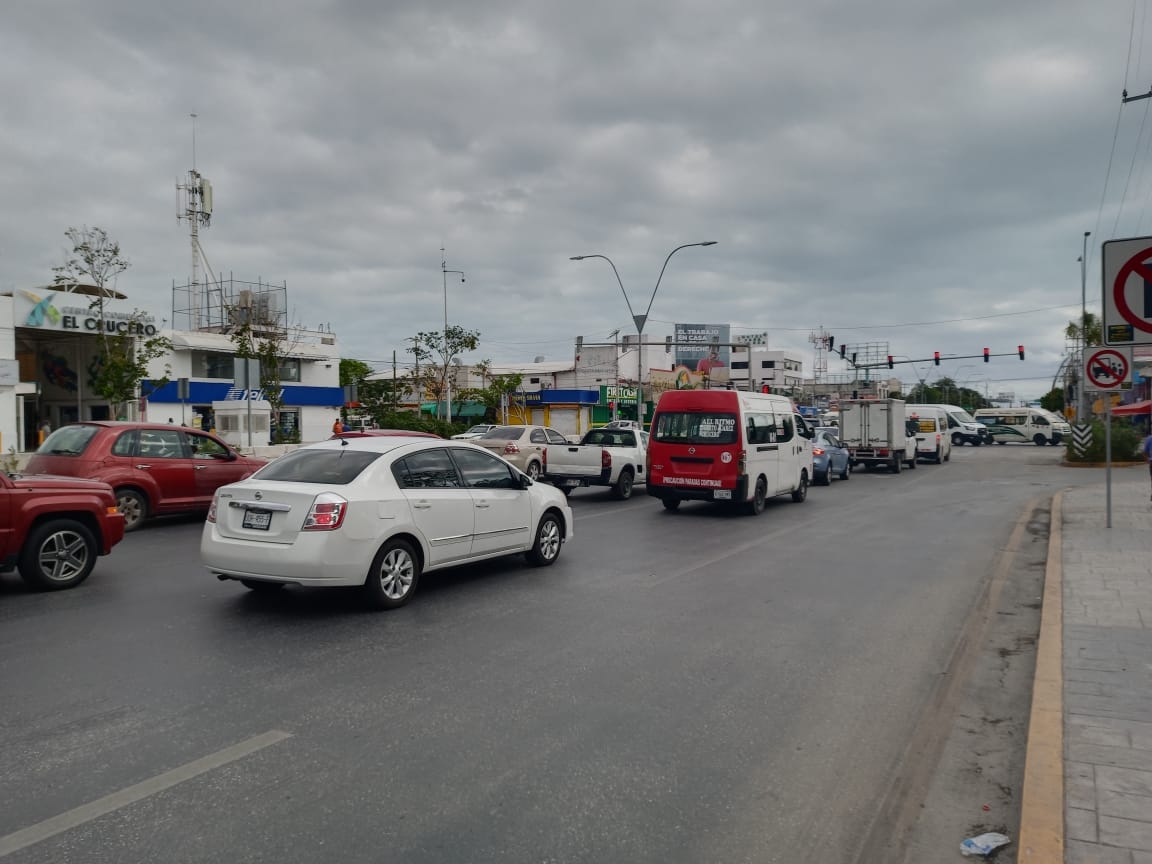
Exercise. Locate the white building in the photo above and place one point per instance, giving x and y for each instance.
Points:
(50, 349)
(753, 366)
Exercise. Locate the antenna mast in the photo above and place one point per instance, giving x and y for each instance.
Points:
(196, 207)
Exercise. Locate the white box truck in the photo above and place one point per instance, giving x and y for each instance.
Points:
(877, 433)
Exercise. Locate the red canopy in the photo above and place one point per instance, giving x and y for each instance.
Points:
(1143, 407)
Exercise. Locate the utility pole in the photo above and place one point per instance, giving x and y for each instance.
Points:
(615, 369)
(1082, 406)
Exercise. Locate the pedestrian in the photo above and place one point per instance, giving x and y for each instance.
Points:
(1146, 449)
(45, 430)
(338, 427)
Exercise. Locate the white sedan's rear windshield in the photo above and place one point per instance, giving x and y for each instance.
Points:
(328, 467)
(694, 427)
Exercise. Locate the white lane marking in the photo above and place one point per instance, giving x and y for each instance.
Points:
(26, 837)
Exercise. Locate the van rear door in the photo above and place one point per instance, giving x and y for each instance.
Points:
(696, 452)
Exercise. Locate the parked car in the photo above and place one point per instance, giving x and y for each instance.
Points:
(54, 528)
(154, 468)
(377, 513)
(385, 433)
(829, 457)
(526, 447)
(474, 432)
(623, 424)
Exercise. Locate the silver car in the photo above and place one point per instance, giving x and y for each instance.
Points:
(526, 447)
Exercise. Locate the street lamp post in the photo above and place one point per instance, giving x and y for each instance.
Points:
(1082, 410)
(447, 382)
(641, 320)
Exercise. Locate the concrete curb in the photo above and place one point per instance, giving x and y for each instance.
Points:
(1042, 801)
(1067, 464)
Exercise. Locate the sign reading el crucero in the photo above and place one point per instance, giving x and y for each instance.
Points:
(1128, 292)
(59, 310)
(1108, 368)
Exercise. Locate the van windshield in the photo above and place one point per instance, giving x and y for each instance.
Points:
(961, 416)
(694, 427)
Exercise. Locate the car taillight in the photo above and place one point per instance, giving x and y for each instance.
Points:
(817, 451)
(326, 514)
(212, 510)
(742, 462)
(511, 447)
(605, 459)
(937, 437)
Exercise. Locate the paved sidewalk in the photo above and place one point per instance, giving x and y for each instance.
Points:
(1107, 640)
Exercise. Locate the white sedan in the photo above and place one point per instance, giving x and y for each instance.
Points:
(378, 512)
(474, 432)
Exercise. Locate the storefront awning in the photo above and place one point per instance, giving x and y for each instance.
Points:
(1143, 407)
(472, 409)
(430, 407)
(466, 409)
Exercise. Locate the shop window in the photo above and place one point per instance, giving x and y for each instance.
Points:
(290, 369)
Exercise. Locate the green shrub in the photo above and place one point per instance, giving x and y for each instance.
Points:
(1126, 441)
(414, 422)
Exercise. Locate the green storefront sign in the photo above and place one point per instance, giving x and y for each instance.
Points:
(611, 393)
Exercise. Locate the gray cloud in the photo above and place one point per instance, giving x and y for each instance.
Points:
(863, 166)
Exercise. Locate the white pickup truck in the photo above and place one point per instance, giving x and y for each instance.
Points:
(604, 457)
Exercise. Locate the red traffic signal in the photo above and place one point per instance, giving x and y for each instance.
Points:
(985, 355)
(936, 357)
(1020, 351)
(764, 388)
(611, 405)
(890, 361)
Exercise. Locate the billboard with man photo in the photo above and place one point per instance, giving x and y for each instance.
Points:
(693, 343)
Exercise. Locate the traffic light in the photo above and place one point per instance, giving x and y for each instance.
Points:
(844, 348)
(855, 394)
(985, 355)
(831, 342)
(890, 361)
(1020, 351)
(853, 358)
(936, 357)
(611, 405)
(764, 388)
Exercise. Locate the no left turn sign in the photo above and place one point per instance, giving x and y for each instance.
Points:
(1108, 369)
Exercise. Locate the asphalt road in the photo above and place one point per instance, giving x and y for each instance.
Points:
(679, 687)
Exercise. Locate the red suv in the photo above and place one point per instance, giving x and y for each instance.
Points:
(154, 468)
(53, 528)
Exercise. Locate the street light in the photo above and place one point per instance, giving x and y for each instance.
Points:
(447, 382)
(1083, 394)
(641, 320)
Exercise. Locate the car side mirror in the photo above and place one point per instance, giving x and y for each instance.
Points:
(525, 481)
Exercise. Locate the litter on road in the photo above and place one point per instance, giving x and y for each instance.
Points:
(985, 844)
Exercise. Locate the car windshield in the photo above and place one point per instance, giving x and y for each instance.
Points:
(961, 416)
(505, 432)
(694, 427)
(68, 441)
(476, 430)
(330, 467)
(611, 438)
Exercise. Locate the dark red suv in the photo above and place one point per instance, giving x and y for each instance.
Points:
(154, 468)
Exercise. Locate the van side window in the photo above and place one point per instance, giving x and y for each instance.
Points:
(787, 431)
(761, 429)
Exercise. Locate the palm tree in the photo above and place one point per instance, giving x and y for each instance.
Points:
(1088, 332)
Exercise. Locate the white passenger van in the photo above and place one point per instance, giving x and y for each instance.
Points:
(933, 440)
(727, 445)
(1023, 426)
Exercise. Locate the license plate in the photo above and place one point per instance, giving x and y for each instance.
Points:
(571, 482)
(725, 494)
(257, 519)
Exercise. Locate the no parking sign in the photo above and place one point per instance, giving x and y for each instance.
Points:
(1128, 292)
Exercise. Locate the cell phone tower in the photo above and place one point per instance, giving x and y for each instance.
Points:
(194, 205)
(819, 340)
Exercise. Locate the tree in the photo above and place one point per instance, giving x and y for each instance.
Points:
(435, 353)
(125, 354)
(266, 343)
(1089, 331)
(353, 372)
(493, 389)
(1053, 400)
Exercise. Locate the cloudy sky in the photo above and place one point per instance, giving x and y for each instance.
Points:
(919, 173)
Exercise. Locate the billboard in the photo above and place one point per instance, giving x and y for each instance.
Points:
(692, 346)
